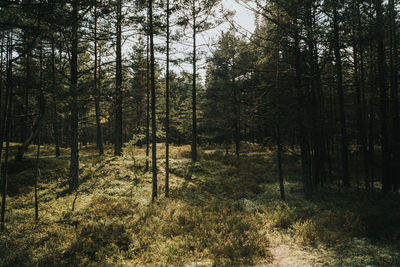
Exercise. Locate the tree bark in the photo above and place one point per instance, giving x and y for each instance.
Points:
(56, 127)
(236, 109)
(5, 131)
(316, 142)
(147, 104)
(278, 119)
(194, 93)
(118, 85)
(383, 99)
(342, 114)
(394, 103)
(74, 165)
(302, 121)
(1, 81)
(25, 124)
(36, 180)
(360, 89)
(167, 108)
(99, 133)
(42, 109)
(153, 104)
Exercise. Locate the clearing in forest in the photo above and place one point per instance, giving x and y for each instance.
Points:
(222, 211)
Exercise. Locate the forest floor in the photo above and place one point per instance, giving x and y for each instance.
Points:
(222, 211)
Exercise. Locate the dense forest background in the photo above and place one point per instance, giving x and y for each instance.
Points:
(313, 91)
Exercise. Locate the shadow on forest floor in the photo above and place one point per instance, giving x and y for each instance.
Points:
(222, 211)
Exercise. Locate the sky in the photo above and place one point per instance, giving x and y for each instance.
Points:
(243, 21)
(243, 17)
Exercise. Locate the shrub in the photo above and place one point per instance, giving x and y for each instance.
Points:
(283, 216)
(305, 232)
(97, 241)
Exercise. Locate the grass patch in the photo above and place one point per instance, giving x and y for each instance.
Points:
(223, 211)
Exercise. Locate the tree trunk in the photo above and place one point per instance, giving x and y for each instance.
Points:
(236, 105)
(36, 180)
(147, 104)
(1, 82)
(5, 131)
(99, 134)
(383, 98)
(4, 165)
(371, 148)
(153, 104)
(302, 121)
(394, 103)
(194, 101)
(167, 109)
(342, 114)
(278, 124)
(42, 109)
(317, 155)
(28, 82)
(56, 126)
(74, 165)
(360, 89)
(118, 85)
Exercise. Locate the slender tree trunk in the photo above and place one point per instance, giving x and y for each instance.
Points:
(56, 118)
(317, 157)
(1, 80)
(99, 133)
(302, 121)
(153, 104)
(236, 109)
(194, 101)
(148, 105)
(36, 179)
(371, 149)
(383, 97)
(342, 114)
(74, 165)
(118, 86)
(4, 166)
(360, 89)
(330, 139)
(6, 130)
(357, 88)
(394, 86)
(278, 126)
(28, 82)
(167, 109)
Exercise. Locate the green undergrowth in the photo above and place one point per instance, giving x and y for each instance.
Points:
(223, 211)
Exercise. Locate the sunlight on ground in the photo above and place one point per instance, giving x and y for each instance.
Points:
(222, 211)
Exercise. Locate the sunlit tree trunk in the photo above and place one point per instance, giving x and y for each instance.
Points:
(153, 104)
(194, 93)
(167, 108)
(147, 104)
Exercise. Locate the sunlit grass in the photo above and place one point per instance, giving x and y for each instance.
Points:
(222, 211)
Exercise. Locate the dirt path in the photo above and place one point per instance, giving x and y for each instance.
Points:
(285, 255)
